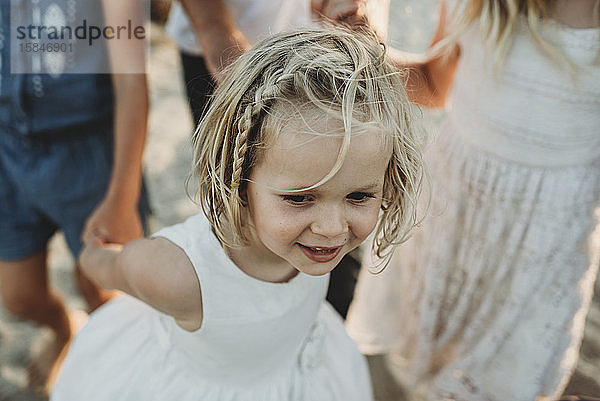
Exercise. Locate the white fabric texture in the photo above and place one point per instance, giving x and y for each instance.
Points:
(258, 341)
(487, 301)
(256, 19)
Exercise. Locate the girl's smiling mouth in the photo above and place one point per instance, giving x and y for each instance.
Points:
(320, 254)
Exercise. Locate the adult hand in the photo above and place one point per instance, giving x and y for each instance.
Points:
(113, 221)
(339, 10)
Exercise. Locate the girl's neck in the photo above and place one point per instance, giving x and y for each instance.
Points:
(251, 260)
(576, 13)
(246, 260)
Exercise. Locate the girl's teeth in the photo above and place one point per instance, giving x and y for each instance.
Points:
(322, 250)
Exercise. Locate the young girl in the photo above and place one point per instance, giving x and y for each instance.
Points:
(488, 300)
(307, 143)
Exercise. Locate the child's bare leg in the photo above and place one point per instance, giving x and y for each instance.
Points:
(26, 293)
(93, 296)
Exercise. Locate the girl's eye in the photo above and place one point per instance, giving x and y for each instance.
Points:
(360, 197)
(296, 199)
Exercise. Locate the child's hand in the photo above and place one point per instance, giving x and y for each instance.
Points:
(97, 244)
(96, 256)
(93, 239)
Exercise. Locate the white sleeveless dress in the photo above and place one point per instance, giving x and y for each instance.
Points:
(488, 300)
(259, 341)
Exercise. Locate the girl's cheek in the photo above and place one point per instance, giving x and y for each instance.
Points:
(365, 222)
(288, 220)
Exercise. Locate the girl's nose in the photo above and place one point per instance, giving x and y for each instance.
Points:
(330, 222)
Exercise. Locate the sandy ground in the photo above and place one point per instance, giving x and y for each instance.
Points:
(167, 158)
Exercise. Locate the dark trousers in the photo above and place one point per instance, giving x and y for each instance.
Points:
(199, 84)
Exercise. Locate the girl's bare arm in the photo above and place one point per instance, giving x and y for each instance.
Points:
(429, 78)
(154, 270)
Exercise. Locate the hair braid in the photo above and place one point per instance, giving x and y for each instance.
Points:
(251, 119)
(241, 145)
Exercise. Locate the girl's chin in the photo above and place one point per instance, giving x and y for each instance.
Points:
(318, 269)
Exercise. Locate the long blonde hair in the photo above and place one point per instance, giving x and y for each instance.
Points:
(499, 20)
(338, 72)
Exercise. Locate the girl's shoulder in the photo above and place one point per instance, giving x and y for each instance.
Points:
(195, 228)
(195, 237)
(195, 240)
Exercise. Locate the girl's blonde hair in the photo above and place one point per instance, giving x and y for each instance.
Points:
(334, 71)
(499, 20)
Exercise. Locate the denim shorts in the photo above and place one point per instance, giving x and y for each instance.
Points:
(50, 183)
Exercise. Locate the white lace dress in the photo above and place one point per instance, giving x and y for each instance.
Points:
(259, 341)
(487, 301)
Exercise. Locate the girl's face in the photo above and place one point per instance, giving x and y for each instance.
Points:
(311, 230)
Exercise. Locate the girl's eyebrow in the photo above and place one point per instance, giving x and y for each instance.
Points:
(369, 187)
(366, 188)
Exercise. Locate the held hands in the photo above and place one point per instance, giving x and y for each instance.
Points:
(339, 10)
(97, 258)
(94, 246)
(113, 221)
